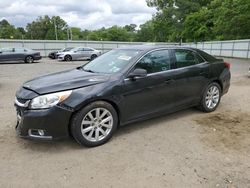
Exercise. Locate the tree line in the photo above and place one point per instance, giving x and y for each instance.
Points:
(174, 21)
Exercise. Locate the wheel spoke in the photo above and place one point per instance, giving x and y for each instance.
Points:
(102, 131)
(107, 126)
(86, 122)
(87, 129)
(90, 134)
(97, 113)
(106, 120)
(90, 116)
(96, 134)
(103, 113)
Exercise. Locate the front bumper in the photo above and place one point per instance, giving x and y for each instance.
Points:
(53, 123)
(60, 58)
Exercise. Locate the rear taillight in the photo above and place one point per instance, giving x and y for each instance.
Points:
(228, 65)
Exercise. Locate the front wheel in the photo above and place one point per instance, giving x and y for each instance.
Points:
(95, 124)
(211, 97)
(67, 58)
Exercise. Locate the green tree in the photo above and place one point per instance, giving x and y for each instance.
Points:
(168, 21)
(8, 31)
(46, 28)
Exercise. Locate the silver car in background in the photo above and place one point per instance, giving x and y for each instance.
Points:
(79, 53)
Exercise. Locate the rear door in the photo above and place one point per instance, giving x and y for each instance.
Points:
(192, 73)
(19, 53)
(88, 52)
(79, 54)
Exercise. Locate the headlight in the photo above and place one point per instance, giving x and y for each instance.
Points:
(49, 100)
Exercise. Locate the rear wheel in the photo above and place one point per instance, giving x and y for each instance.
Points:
(67, 58)
(211, 97)
(95, 124)
(93, 56)
(29, 59)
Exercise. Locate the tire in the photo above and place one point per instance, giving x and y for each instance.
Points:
(211, 98)
(90, 131)
(93, 56)
(68, 58)
(29, 59)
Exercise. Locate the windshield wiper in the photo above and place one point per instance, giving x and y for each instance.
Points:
(88, 70)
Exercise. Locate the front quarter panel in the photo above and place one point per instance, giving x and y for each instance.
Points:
(83, 96)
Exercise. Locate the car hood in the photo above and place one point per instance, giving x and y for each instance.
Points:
(65, 80)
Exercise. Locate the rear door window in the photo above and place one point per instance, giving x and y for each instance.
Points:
(184, 58)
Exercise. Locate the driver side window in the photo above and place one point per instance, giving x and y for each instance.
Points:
(155, 61)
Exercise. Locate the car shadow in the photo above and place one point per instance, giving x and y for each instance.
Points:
(63, 146)
(156, 121)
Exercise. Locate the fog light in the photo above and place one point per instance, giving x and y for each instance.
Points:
(40, 132)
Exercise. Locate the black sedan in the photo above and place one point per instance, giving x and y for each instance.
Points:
(19, 54)
(54, 54)
(122, 86)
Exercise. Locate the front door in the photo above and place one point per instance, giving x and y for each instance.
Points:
(7, 54)
(150, 94)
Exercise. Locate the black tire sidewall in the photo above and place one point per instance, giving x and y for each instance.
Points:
(67, 58)
(27, 58)
(77, 119)
(93, 56)
(203, 103)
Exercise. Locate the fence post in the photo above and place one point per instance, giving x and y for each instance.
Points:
(211, 48)
(220, 48)
(102, 47)
(232, 55)
(248, 49)
(44, 45)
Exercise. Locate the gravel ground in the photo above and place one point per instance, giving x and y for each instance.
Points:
(185, 149)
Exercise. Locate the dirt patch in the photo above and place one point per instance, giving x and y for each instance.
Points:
(242, 81)
(228, 130)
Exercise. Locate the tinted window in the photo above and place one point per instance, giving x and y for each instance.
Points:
(80, 49)
(199, 58)
(185, 58)
(206, 56)
(20, 50)
(156, 61)
(88, 49)
(7, 49)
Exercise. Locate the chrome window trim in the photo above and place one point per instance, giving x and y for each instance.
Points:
(170, 70)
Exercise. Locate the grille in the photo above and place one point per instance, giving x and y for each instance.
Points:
(22, 100)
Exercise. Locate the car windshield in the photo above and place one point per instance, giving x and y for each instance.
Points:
(67, 49)
(112, 61)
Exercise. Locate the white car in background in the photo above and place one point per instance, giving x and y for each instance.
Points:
(79, 53)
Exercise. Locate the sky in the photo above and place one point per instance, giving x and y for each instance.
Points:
(86, 14)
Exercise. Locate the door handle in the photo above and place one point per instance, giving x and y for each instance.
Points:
(169, 81)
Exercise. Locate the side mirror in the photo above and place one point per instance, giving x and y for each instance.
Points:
(140, 73)
(1, 52)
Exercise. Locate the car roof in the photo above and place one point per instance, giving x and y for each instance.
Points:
(153, 47)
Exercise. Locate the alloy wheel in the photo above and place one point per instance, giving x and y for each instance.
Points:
(97, 124)
(212, 97)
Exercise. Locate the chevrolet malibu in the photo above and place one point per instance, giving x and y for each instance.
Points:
(122, 86)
